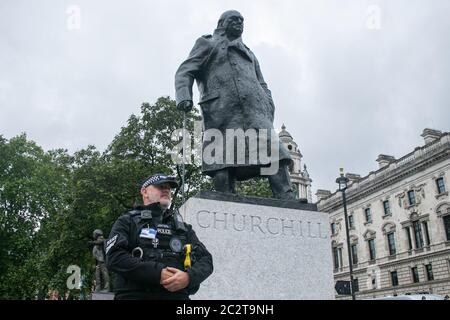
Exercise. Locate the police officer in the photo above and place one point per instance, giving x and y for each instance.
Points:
(153, 252)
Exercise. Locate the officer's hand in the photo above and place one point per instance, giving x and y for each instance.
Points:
(179, 280)
(185, 105)
(165, 274)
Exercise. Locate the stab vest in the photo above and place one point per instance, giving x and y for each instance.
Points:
(157, 238)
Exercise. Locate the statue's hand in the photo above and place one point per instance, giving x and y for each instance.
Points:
(185, 105)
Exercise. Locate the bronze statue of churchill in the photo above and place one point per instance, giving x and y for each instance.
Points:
(233, 95)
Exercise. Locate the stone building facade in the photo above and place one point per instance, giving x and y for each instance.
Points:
(399, 221)
(300, 178)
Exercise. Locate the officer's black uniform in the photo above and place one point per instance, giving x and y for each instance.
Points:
(145, 241)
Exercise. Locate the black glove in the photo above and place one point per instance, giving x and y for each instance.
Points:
(185, 105)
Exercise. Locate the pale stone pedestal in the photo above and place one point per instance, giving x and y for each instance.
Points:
(102, 296)
(262, 251)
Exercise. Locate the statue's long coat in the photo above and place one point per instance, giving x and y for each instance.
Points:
(233, 94)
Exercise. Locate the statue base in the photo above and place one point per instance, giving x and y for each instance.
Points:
(102, 295)
(301, 204)
(262, 248)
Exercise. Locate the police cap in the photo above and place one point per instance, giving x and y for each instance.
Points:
(159, 178)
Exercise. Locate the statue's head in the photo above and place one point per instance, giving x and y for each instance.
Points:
(232, 22)
(97, 233)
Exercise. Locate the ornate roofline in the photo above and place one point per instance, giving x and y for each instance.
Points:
(413, 162)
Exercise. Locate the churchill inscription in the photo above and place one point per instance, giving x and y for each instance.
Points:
(252, 223)
(261, 251)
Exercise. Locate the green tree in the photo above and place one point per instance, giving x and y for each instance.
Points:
(257, 187)
(143, 147)
(32, 191)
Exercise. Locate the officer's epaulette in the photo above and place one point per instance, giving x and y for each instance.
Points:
(134, 213)
(143, 214)
(207, 36)
(179, 223)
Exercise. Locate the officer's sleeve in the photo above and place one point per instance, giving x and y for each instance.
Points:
(202, 266)
(190, 68)
(119, 259)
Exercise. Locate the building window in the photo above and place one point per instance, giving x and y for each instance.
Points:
(337, 254)
(333, 228)
(429, 270)
(394, 278)
(411, 197)
(351, 222)
(415, 274)
(295, 190)
(440, 185)
(386, 208)
(427, 234)
(336, 258)
(447, 226)
(355, 285)
(408, 236)
(418, 234)
(372, 252)
(391, 243)
(354, 249)
(368, 215)
(374, 282)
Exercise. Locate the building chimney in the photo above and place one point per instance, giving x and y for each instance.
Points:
(322, 194)
(384, 160)
(430, 135)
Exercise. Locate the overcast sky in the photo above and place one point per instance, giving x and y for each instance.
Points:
(350, 79)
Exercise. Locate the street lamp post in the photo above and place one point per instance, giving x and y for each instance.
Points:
(342, 182)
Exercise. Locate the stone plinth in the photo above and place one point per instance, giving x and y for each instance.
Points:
(262, 248)
(102, 296)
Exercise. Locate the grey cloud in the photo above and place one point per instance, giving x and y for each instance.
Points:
(345, 93)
